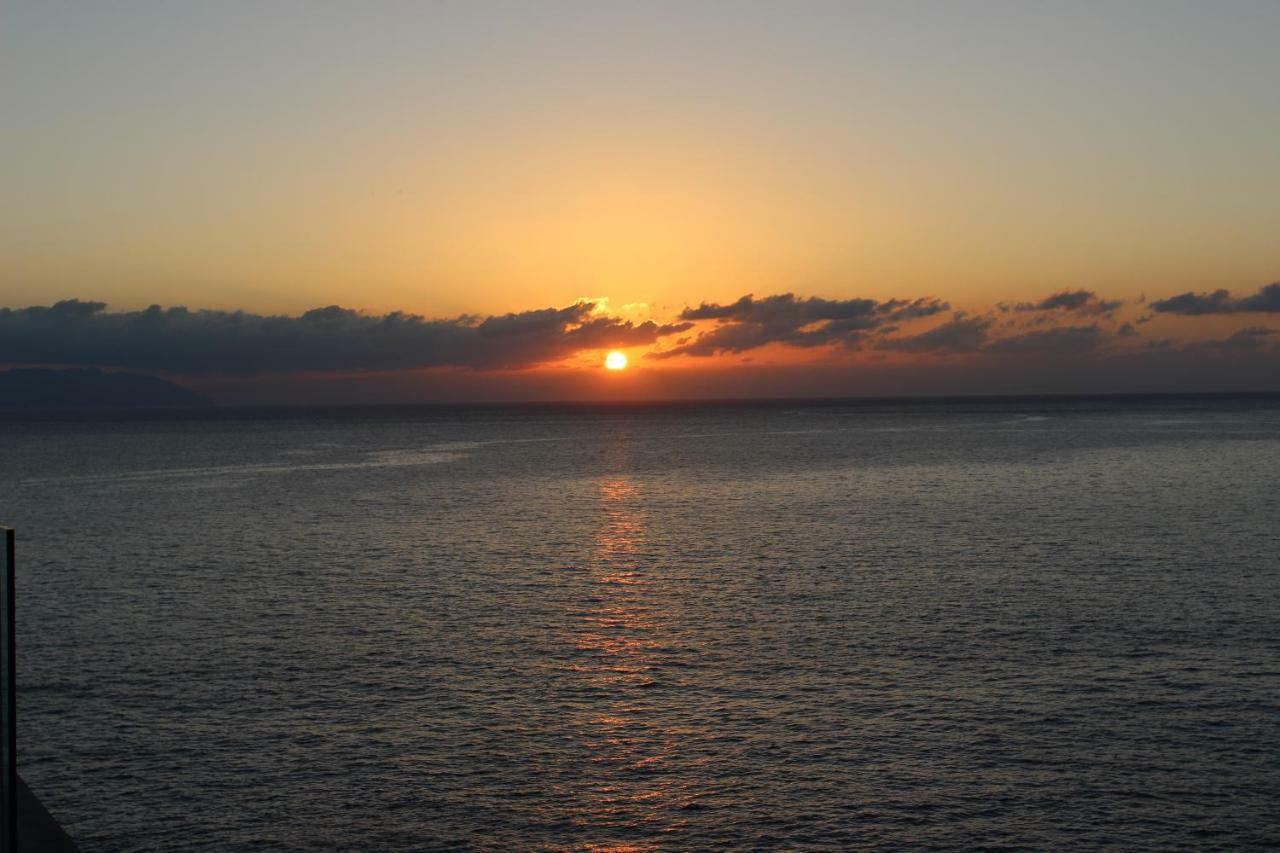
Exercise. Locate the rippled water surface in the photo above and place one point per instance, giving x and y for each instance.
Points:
(1042, 624)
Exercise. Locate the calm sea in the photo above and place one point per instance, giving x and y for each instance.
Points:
(1044, 624)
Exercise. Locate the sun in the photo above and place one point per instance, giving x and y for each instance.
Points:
(615, 360)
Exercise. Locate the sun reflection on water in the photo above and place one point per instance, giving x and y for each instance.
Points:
(622, 651)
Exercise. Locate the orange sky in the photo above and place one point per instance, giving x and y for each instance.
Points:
(486, 159)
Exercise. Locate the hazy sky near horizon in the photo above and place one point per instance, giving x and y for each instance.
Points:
(490, 157)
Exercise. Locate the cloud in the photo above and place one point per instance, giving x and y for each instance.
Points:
(960, 334)
(1076, 301)
(1266, 300)
(1071, 339)
(786, 308)
(965, 334)
(750, 323)
(1062, 339)
(1252, 339)
(1218, 302)
(180, 341)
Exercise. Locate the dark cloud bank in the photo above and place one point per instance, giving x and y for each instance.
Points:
(1070, 301)
(1069, 323)
(750, 323)
(1265, 301)
(183, 342)
(1068, 342)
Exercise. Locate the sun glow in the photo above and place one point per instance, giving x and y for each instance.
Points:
(615, 360)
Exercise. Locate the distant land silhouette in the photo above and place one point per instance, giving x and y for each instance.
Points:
(88, 388)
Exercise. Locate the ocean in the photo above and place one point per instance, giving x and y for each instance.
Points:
(949, 624)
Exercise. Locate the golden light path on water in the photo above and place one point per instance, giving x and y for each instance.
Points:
(621, 643)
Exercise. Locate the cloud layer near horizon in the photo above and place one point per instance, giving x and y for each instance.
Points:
(1070, 322)
(181, 341)
(786, 319)
(1071, 325)
(1265, 301)
(750, 323)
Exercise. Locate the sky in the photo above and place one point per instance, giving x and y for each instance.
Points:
(384, 201)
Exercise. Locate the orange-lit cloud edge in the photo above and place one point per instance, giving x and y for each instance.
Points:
(777, 345)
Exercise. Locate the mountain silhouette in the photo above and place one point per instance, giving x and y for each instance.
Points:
(88, 388)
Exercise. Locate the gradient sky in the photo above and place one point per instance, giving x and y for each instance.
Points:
(485, 158)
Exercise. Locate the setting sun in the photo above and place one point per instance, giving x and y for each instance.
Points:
(615, 360)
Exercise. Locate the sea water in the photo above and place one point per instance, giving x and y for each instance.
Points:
(942, 624)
